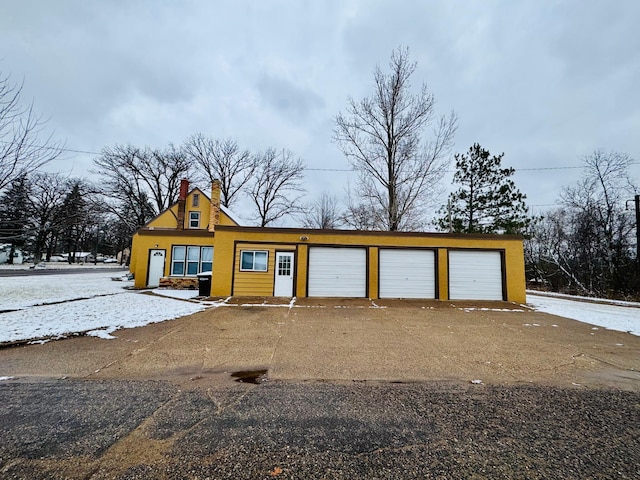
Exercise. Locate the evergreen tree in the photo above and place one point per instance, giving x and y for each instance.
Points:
(74, 221)
(14, 214)
(487, 200)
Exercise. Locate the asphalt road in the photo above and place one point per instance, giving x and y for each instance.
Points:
(23, 272)
(353, 392)
(144, 429)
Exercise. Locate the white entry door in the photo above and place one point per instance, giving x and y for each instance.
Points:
(283, 285)
(156, 267)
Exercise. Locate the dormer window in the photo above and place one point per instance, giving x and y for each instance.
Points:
(194, 219)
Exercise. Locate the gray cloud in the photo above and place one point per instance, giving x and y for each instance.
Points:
(292, 101)
(545, 82)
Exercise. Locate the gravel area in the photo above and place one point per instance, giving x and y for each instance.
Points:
(317, 430)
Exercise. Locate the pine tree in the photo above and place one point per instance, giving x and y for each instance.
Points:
(14, 214)
(487, 200)
(74, 214)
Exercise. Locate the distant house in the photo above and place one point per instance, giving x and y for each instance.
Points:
(78, 257)
(5, 253)
(188, 239)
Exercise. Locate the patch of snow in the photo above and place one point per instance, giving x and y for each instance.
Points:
(30, 290)
(105, 334)
(614, 317)
(4, 379)
(70, 311)
(578, 297)
(183, 294)
(486, 309)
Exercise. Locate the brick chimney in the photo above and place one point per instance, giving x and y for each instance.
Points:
(182, 202)
(214, 210)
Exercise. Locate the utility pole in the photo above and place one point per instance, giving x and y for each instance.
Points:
(636, 200)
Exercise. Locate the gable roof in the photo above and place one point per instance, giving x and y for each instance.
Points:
(223, 209)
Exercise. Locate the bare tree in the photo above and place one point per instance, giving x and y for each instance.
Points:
(23, 149)
(138, 177)
(383, 136)
(586, 246)
(599, 198)
(48, 191)
(323, 213)
(222, 160)
(276, 188)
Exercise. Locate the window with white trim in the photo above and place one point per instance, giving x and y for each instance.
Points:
(195, 200)
(253, 260)
(194, 219)
(187, 260)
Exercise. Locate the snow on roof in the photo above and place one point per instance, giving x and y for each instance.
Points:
(231, 215)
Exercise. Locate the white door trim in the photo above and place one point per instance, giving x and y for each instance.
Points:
(284, 270)
(155, 269)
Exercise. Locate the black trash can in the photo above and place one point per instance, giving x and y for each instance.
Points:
(204, 284)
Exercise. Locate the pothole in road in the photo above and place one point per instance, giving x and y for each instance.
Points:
(255, 377)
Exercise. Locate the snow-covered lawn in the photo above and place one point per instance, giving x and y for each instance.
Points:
(22, 292)
(90, 302)
(48, 306)
(615, 316)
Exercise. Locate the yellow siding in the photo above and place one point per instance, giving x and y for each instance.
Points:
(169, 218)
(301, 277)
(225, 219)
(256, 283)
(142, 243)
(373, 267)
(443, 274)
(166, 219)
(246, 283)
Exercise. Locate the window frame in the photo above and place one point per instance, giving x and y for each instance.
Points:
(191, 219)
(186, 261)
(195, 200)
(253, 262)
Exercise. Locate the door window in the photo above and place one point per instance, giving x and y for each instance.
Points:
(284, 265)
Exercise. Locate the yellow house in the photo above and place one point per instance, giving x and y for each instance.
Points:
(178, 244)
(287, 262)
(340, 263)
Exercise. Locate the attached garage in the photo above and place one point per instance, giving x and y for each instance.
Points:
(407, 273)
(475, 275)
(337, 272)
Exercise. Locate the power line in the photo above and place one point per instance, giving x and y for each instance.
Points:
(72, 150)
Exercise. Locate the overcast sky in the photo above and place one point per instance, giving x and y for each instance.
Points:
(545, 82)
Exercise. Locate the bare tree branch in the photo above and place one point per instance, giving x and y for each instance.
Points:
(276, 189)
(383, 138)
(23, 149)
(323, 213)
(222, 160)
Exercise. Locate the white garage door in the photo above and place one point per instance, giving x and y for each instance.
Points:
(407, 273)
(475, 275)
(337, 272)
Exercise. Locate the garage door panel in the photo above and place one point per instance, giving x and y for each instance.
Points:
(475, 275)
(337, 272)
(407, 273)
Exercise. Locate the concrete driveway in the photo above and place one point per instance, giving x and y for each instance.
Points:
(347, 340)
(398, 402)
